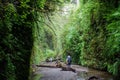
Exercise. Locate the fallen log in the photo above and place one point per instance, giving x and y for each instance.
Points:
(63, 67)
(58, 65)
(52, 60)
(49, 66)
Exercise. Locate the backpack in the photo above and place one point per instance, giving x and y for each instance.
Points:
(69, 60)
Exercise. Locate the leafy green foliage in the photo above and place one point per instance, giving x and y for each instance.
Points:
(95, 40)
(92, 37)
(46, 31)
(20, 35)
(72, 45)
(113, 43)
(14, 48)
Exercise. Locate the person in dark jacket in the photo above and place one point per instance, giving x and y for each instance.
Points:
(69, 61)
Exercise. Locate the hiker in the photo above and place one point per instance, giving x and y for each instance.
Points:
(50, 59)
(68, 61)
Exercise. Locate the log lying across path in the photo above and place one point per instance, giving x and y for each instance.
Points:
(49, 66)
(64, 68)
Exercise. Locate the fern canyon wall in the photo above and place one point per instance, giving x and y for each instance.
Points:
(93, 39)
(32, 31)
(16, 39)
(24, 35)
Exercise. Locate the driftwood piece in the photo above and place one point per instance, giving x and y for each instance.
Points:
(94, 78)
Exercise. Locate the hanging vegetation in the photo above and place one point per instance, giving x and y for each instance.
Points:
(19, 32)
(94, 40)
(31, 31)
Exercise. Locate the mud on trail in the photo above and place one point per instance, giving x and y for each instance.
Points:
(82, 73)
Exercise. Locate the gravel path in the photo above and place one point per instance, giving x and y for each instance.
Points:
(57, 74)
(82, 73)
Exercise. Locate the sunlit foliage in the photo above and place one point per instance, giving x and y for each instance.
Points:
(93, 38)
(19, 33)
(30, 31)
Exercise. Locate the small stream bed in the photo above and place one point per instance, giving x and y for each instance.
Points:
(82, 73)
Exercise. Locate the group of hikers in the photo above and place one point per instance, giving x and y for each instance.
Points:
(58, 61)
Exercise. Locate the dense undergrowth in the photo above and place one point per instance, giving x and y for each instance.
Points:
(30, 32)
(95, 40)
(15, 40)
(20, 35)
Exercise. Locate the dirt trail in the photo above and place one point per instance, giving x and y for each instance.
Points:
(57, 74)
(82, 73)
